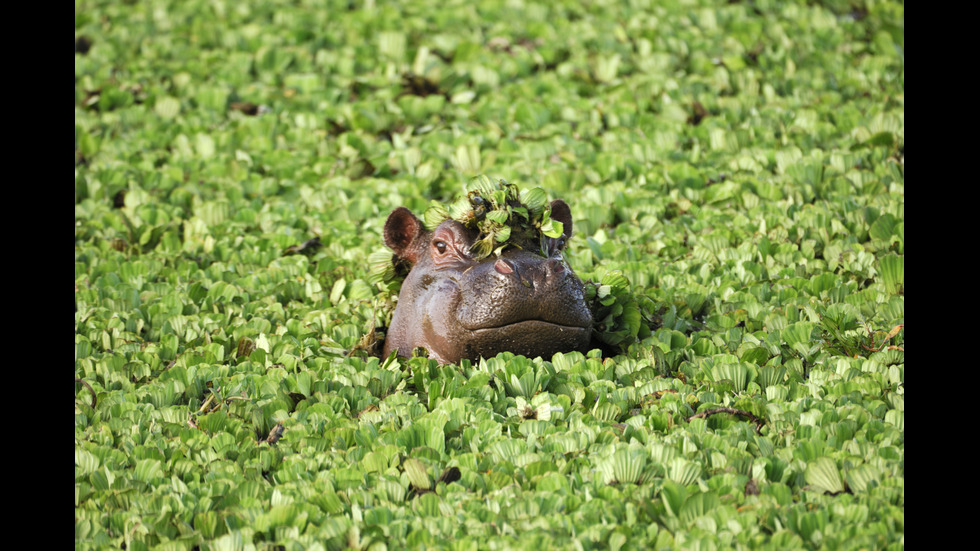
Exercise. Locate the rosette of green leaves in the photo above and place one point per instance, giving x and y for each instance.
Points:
(618, 314)
(381, 266)
(502, 213)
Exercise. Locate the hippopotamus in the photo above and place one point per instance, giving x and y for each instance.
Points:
(525, 300)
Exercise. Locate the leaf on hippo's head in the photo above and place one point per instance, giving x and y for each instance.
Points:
(434, 215)
(461, 210)
(552, 228)
(502, 213)
(498, 216)
(534, 199)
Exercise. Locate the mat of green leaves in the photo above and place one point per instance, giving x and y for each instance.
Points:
(739, 164)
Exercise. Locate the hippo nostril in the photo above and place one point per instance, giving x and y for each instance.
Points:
(552, 268)
(503, 267)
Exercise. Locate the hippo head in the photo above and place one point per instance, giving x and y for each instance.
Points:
(456, 306)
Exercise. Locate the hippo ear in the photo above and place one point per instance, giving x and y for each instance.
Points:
(402, 230)
(563, 214)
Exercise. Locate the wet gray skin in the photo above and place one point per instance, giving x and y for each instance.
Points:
(457, 307)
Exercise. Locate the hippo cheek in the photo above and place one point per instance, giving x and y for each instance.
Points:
(440, 333)
(438, 340)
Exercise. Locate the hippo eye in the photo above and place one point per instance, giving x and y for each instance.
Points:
(440, 246)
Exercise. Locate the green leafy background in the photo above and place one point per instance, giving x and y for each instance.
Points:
(740, 164)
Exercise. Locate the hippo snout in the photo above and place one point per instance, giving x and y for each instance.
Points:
(546, 271)
(522, 287)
